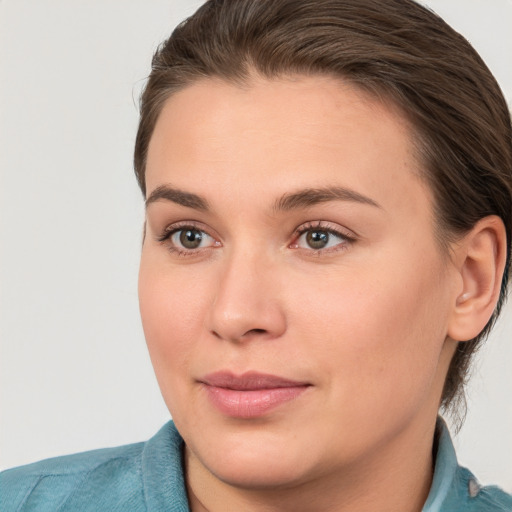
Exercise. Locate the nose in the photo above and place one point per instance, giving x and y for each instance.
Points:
(247, 303)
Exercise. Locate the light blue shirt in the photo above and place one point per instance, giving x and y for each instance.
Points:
(148, 477)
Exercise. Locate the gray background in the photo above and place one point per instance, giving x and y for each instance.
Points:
(74, 372)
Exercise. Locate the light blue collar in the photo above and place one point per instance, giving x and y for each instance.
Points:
(445, 471)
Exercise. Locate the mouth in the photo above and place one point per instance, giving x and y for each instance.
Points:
(251, 394)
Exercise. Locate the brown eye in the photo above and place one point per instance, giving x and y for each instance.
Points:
(321, 239)
(190, 238)
(317, 239)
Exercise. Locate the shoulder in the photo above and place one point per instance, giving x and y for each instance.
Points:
(455, 488)
(125, 478)
(48, 484)
(476, 498)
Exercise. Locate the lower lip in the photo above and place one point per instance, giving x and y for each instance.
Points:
(251, 403)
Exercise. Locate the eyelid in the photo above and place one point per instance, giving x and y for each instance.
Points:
(179, 225)
(165, 236)
(329, 227)
(326, 226)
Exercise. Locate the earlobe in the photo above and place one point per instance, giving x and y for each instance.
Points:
(480, 257)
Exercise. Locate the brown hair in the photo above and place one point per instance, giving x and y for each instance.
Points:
(395, 49)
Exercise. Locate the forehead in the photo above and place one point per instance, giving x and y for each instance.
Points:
(293, 132)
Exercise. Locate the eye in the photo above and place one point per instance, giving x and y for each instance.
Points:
(186, 239)
(320, 238)
(190, 238)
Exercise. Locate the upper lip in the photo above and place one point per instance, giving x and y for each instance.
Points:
(249, 381)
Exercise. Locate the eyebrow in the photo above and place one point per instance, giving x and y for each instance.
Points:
(177, 196)
(312, 196)
(301, 199)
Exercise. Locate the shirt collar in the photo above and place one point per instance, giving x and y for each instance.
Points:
(445, 469)
(162, 472)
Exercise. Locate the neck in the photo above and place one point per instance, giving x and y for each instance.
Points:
(395, 477)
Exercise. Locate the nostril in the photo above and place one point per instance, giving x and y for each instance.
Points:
(246, 336)
(256, 331)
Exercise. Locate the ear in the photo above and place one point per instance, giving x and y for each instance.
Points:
(480, 258)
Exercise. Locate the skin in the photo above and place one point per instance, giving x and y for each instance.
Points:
(367, 321)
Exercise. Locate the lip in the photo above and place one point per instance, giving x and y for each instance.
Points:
(251, 394)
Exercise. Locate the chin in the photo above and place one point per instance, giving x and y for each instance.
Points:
(254, 461)
(258, 473)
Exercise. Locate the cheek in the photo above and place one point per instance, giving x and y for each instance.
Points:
(380, 333)
(172, 312)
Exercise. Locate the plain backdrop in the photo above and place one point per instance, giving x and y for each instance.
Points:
(74, 372)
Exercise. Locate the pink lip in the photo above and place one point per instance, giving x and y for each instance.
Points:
(251, 394)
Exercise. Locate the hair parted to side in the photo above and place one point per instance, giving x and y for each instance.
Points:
(394, 49)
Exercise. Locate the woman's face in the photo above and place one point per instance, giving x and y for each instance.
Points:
(293, 297)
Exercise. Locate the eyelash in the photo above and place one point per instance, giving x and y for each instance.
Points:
(176, 228)
(324, 227)
(321, 226)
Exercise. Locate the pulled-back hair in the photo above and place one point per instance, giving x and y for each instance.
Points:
(395, 49)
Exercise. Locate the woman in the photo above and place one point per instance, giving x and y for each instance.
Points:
(328, 215)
